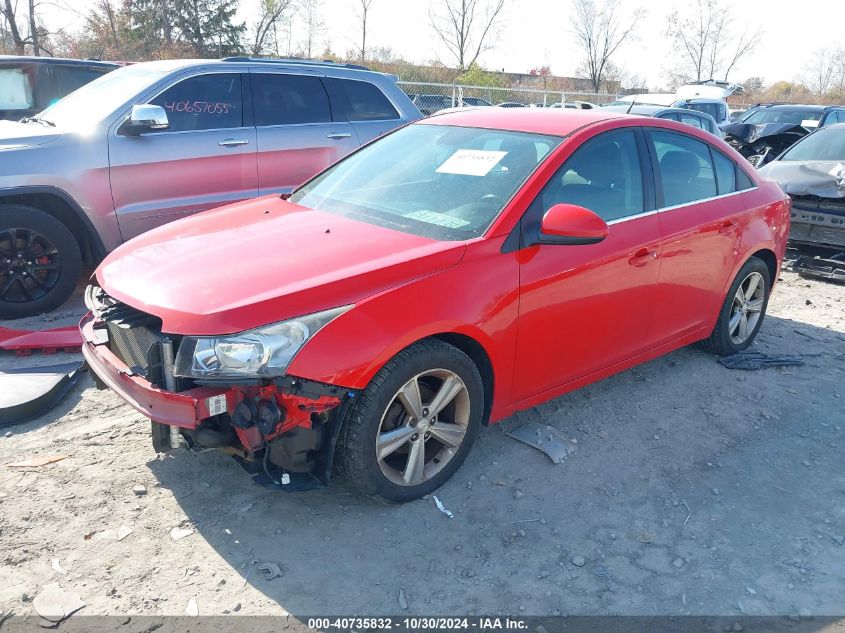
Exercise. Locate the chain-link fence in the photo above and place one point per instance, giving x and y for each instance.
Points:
(431, 97)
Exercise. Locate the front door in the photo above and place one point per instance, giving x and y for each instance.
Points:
(584, 308)
(205, 159)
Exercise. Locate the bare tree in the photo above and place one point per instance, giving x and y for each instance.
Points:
(33, 30)
(706, 43)
(312, 16)
(265, 31)
(599, 32)
(363, 13)
(822, 71)
(14, 31)
(464, 26)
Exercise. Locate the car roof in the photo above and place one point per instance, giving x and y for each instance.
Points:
(28, 59)
(554, 121)
(793, 107)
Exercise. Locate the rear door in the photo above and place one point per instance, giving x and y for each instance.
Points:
(298, 136)
(701, 219)
(364, 105)
(205, 159)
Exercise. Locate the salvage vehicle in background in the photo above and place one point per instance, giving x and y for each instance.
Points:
(30, 84)
(768, 130)
(509, 257)
(697, 119)
(153, 142)
(812, 172)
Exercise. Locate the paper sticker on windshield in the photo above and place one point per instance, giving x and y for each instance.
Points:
(440, 219)
(471, 162)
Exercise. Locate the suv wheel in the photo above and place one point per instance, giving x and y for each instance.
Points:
(412, 427)
(40, 262)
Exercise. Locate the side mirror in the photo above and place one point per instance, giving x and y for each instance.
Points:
(145, 118)
(569, 224)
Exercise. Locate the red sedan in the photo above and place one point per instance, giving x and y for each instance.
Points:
(437, 280)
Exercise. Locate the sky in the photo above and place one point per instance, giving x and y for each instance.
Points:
(534, 33)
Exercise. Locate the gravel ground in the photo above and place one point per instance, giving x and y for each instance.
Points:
(694, 489)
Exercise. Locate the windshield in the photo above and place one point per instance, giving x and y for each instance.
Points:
(98, 99)
(795, 117)
(439, 181)
(826, 144)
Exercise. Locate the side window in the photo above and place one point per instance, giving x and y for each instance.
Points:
(691, 119)
(604, 175)
(686, 170)
(725, 173)
(671, 116)
(743, 182)
(204, 102)
(281, 99)
(361, 101)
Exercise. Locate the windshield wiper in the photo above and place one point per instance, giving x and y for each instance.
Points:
(30, 119)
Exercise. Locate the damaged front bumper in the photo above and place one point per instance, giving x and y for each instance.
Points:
(281, 431)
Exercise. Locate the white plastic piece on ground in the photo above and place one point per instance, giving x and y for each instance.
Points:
(442, 508)
(178, 533)
(285, 479)
(544, 438)
(123, 531)
(57, 567)
(55, 604)
(192, 608)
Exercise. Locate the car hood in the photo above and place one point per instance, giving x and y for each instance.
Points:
(16, 135)
(749, 133)
(266, 260)
(825, 179)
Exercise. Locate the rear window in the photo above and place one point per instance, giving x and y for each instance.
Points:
(361, 101)
(15, 90)
(66, 79)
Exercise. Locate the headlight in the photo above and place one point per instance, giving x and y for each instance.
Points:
(264, 352)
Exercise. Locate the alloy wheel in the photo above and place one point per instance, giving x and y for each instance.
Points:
(30, 265)
(747, 308)
(423, 427)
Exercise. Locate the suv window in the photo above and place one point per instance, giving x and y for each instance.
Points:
(691, 119)
(604, 175)
(361, 101)
(66, 79)
(15, 90)
(203, 102)
(281, 99)
(686, 169)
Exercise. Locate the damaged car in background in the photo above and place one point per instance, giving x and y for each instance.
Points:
(812, 173)
(769, 130)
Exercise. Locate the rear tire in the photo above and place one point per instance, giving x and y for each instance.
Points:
(740, 317)
(40, 262)
(386, 452)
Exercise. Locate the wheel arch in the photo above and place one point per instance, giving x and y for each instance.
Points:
(478, 355)
(770, 259)
(64, 208)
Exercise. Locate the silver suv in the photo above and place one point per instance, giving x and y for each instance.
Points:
(153, 142)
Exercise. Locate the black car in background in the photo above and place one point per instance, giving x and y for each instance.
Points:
(30, 84)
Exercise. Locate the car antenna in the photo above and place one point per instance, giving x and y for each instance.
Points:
(628, 111)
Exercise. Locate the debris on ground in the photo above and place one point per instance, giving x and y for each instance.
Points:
(442, 508)
(403, 602)
(123, 531)
(270, 571)
(37, 462)
(57, 567)
(140, 490)
(55, 604)
(823, 268)
(29, 392)
(178, 533)
(544, 438)
(579, 561)
(192, 608)
(759, 360)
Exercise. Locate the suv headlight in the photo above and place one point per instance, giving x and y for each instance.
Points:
(264, 352)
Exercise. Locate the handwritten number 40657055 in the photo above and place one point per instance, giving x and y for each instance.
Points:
(198, 107)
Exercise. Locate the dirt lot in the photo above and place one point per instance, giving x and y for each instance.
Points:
(694, 489)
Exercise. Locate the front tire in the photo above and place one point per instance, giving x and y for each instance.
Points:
(414, 424)
(743, 310)
(40, 262)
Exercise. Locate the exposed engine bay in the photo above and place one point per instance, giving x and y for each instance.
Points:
(762, 143)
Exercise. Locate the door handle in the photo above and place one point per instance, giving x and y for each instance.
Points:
(338, 135)
(642, 257)
(233, 142)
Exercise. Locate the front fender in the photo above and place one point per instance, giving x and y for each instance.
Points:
(477, 298)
